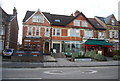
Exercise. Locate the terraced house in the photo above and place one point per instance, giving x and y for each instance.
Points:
(112, 30)
(43, 31)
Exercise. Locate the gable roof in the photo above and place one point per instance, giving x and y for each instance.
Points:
(96, 24)
(105, 19)
(79, 15)
(51, 18)
(28, 14)
(8, 17)
(63, 19)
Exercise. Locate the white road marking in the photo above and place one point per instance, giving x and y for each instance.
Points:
(53, 72)
(90, 71)
(22, 78)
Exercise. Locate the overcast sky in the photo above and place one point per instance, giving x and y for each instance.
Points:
(90, 8)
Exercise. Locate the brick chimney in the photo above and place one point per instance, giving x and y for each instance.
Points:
(71, 14)
(76, 13)
(14, 11)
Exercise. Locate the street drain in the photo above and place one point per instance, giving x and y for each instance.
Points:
(89, 71)
(53, 72)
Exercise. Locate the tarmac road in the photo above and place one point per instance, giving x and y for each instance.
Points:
(108, 72)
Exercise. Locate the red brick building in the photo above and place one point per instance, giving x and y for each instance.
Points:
(8, 29)
(112, 33)
(42, 31)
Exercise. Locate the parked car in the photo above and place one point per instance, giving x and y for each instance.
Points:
(8, 52)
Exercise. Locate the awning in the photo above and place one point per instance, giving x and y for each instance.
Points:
(97, 42)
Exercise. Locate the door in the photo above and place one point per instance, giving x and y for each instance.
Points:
(57, 47)
(46, 47)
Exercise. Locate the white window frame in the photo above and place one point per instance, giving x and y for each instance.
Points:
(74, 32)
(38, 18)
(56, 31)
(77, 33)
(76, 22)
(84, 24)
(36, 30)
(115, 34)
(88, 34)
(69, 32)
(101, 35)
(47, 34)
(111, 34)
(31, 31)
(113, 21)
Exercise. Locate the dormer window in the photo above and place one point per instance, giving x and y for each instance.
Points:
(57, 20)
(38, 18)
(113, 21)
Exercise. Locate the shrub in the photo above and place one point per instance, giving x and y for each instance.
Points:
(74, 55)
(100, 57)
(117, 52)
(92, 54)
(116, 57)
(87, 54)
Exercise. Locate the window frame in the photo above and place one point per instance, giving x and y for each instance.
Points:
(76, 22)
(101, 35)
(72, 32)
(29, 31)
(113, 21)
(55, 32)
(84, 23)
(38, 31)
(47, 34)
(111, 34)
(115, 34)
(38, 18)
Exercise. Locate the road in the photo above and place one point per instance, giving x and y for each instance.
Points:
(110, 72)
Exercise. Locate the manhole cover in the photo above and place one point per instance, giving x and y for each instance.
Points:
(89, 71)
(53, 72)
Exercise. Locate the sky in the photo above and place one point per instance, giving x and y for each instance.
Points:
(90, 8)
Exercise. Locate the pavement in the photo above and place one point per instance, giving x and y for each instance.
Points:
(60, 62)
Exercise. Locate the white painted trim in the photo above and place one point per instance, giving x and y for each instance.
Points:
(56, 32)
(31, 31)
(39, 30)
(48, 30)
(35, 13)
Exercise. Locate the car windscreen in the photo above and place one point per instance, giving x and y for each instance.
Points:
(7, 50)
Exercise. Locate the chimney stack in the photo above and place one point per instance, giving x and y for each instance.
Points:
(76, 13)
(14, 11)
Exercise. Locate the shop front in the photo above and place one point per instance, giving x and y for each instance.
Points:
(100, 46)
